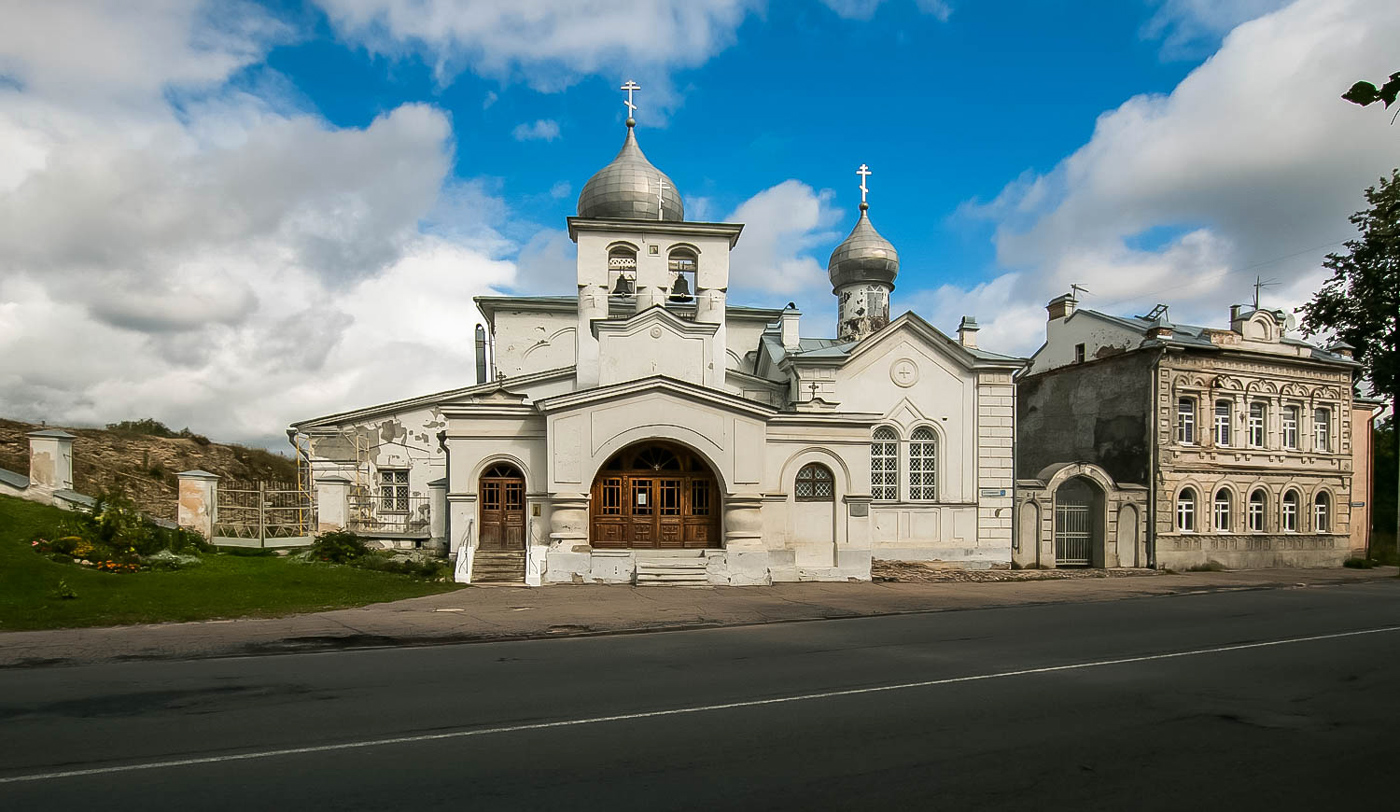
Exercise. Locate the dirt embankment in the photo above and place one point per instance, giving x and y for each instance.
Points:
(144, 466)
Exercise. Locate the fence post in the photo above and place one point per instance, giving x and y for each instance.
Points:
(262, 513)
(198, 501)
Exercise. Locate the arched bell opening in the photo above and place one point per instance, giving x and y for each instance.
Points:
(655, 496)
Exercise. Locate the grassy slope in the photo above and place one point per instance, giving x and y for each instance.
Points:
(224, 586)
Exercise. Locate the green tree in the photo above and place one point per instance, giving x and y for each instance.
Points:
(1360, 303)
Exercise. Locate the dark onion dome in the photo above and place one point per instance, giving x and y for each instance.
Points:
(865, 256)
(626, 188)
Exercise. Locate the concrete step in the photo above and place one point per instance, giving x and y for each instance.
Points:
(672, 572)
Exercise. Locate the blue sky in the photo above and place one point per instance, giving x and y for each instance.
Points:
(235, 214)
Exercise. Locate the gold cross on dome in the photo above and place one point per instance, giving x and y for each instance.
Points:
(864, 173)
(630, 86)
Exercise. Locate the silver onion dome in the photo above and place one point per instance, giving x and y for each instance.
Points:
(864, 256)
(626, 189)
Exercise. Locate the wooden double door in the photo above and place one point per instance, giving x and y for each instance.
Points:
(656, 496)
(502, 509)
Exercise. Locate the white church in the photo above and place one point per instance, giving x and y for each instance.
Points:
(642, 428)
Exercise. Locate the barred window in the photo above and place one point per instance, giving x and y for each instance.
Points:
(1256, 511)
(884, 464)
(814, 484)
(1186, 511)
(923, 465)
(1322, 513)
(1222, 511)
(393, 489)
(1289, 523)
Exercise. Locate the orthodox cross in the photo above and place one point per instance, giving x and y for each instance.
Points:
(629, 87)
(660, 200)
(814, 391)
(864, 173)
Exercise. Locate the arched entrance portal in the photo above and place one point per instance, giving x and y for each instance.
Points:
(655, 496)
(502, 508)
(1079, 524)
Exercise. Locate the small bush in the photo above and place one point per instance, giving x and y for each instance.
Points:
(338, 547)
(114, 536)
(1209, 566)
(1359, 563)
(63, 591)
(166, 560)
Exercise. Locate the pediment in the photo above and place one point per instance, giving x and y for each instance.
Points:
(648, 388)
(653, 318)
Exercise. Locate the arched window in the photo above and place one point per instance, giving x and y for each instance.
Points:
(884, 464)
(814, 484)
(1186, 510)
(923, 465)
(1289, 517)
(1257, 507)
(1322, 513)
(1222, 511)
(622, 270)
(682, 263)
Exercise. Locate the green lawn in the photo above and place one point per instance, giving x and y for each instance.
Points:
(224, 586)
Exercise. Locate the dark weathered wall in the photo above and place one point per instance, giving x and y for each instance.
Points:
(1093, 412)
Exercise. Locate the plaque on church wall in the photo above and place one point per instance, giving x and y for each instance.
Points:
(860, 509)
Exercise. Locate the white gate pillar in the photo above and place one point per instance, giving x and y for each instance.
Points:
(332, 502)
(51, 460)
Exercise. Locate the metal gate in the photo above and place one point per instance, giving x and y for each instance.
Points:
(252, 513)
(1073, 534)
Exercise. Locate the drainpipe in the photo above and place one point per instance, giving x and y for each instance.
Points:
(1152, 464)
(446, 472)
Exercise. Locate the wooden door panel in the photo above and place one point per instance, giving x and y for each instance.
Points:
(663, 506)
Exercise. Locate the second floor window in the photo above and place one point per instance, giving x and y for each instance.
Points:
(1222, 422)
(393, 490)
(1290, 427)
(1186, 421)
(1256, 425)
(1322, 429)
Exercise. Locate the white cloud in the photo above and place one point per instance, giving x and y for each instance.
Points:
(1192, 28)
(545, 129)
(865, 9)
(782, 224)
(550, 44)
(1183, 198)
(224, 261)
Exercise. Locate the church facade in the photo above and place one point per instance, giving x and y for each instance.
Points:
(642, 428)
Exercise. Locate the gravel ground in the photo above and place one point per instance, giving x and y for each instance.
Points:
(916, 572)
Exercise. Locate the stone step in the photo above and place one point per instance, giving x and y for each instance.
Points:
(498, 566)
(672, 572)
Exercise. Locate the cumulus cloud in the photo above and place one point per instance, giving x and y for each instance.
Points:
(549, 44)
(179, 246)
(1189, 29)
(1250, 165)
(782, 225)
(545, 129)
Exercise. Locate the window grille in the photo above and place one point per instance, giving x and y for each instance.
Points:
(393, 490)
(1290, 512)
(1186, 421)
(1186, 511)
(1222, 510)
(1290, 427)
(1256, 512)
(1222, 422)
(884, 464)
(923, 465)
(814, 483)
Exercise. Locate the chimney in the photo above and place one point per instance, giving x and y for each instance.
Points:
(788, 327)
(1061, 307)
(1160, 329)
(967, 332)
(1340, 347)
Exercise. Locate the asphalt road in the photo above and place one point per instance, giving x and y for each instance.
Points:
(1259, 699)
